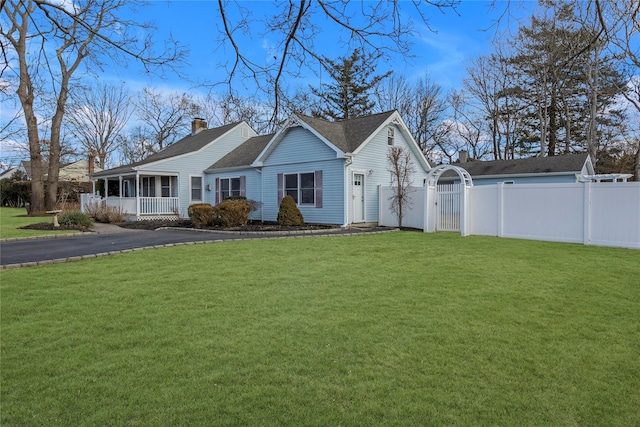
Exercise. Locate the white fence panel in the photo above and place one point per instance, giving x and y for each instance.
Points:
(413, 215)
(543, 212)
(614, 215)
(483, 210)
(87, 200)
(606, 214)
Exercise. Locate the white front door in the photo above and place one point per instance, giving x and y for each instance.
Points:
(358, 197)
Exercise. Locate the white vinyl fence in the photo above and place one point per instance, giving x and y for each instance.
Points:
(605, 214)
(413, 217)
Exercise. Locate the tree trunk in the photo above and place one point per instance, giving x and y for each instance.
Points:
(636, 166)
(553, 127)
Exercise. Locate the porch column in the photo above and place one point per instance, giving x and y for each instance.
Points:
(120, 188)
(137, 195)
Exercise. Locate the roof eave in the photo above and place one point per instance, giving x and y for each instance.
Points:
(518, 175)
(227, 169)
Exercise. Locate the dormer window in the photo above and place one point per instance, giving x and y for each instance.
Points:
(390, 136)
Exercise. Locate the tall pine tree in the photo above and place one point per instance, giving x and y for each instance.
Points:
(566, 86)
(349, 93)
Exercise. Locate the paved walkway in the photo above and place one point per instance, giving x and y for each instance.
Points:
(109, 239)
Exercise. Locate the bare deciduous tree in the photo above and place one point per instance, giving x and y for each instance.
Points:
(400, 164)
(420, 103)
(165, 118)
(49, 41)
(98, 116)
(294, 27)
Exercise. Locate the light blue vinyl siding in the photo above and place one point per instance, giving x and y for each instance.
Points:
(253, 187)
(299, 146)
(373, 157)
(300, 151)
(194, 164)
(331, 212)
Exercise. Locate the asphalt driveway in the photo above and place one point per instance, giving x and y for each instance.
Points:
(24, 253)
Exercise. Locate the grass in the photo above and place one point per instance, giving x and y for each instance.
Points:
(11, 219)
(398, 329)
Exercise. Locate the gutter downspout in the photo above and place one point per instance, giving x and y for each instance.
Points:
(347, 161)
(259, 170)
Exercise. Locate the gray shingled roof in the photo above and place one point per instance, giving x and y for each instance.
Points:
(348, 134)
(243, 155)
(569, 163)
(188, 144)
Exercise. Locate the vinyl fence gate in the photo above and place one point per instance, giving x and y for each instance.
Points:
(448, 204)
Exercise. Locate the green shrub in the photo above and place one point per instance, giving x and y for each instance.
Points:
(289, 214)
(234, 212)
(14, 193)
(75, 218)
(204, 215)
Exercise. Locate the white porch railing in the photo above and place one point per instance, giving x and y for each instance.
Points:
(158, 205)
(126, 204)
(148, 205)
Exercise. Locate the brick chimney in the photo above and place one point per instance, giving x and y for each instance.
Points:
(197, 125)
(463, 156)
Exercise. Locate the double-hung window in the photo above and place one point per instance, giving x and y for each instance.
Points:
(196, 188)
(300, 186)
(229, 187)
(148, 186)
(169, 185)
(390, 136)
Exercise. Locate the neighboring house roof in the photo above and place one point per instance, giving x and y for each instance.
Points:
(9, 172)
(26, 165)
(243, 155)
(76, 171)
(188, 144)
(565, 164)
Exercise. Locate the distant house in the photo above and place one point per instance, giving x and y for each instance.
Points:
(10, 172)
(77, 171)
(331, 169)
(535, 170)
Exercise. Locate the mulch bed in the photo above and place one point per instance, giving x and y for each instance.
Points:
(251, 226)
(49, 226)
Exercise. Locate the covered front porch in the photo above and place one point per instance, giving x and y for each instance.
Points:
(140, 196)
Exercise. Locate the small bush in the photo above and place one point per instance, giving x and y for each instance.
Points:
(103, 213)
(234, 212)
(203, 215)
(289, 214)
(75, 218)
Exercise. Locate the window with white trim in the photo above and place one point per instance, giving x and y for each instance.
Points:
(390, 136)
(169, 186)
(148, 184)
(229, 187)
(196, 188)
(300, 186)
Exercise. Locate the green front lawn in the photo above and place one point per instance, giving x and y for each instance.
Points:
(11, 219)
(400, 328)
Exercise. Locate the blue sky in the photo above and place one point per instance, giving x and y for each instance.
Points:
(445, 52)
